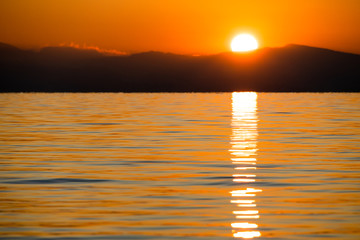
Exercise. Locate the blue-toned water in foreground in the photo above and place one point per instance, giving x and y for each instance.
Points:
(180, 166)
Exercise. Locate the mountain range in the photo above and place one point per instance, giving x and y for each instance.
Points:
(293, 68)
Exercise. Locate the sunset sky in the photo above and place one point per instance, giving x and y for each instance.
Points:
(185, 27)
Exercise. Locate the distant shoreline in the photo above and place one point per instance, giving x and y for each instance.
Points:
(293, 68)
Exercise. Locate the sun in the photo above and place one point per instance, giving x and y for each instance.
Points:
(243, 43)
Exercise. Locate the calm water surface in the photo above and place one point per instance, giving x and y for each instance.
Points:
(180, 166)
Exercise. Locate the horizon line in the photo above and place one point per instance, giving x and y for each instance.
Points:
(118, 53)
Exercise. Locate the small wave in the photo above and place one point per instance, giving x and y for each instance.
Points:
(56, 180)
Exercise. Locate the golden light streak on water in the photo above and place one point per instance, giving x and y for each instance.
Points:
(243, 180)
(253, 190)
(247, 216)
(241, 193)
(243, 201)
(243, 149)
(247, 234)
(246, 205)
(245, 163)
(244, 159)
(244, 225)
(245, 168)
(244, 175)
(246, 212)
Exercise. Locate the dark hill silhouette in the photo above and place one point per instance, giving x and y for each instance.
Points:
(68, 53)
(290, 68)
(8, 48)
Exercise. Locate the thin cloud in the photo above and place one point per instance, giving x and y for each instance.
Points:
(108, 52)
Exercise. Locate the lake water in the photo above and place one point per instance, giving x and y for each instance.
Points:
(180, 166)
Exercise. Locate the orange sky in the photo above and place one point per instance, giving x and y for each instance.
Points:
(186, 26)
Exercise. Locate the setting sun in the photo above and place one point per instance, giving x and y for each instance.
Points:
(244, 43)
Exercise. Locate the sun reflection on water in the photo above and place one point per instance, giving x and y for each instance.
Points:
(243, 149)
